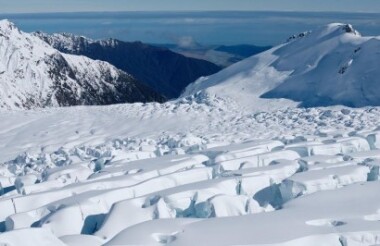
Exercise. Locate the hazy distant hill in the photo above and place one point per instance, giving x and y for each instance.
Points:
(221, 55)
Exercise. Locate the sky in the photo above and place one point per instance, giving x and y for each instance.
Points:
(36, 6)
(214, 22)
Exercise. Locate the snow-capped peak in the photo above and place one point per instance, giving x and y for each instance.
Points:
(341, 28)
(336, 29)
(348, 28)
(34, 74)
(331, 65)
(6, 26)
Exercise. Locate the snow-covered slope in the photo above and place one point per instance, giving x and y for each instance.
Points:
(329, 66)
(33, 74)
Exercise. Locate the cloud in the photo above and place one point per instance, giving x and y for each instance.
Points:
(187, 42)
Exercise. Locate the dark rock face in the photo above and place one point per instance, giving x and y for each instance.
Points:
(349, 29)
(166, 72)
(300, 35)
(111, 89)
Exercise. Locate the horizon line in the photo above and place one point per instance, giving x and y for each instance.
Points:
(191, 11)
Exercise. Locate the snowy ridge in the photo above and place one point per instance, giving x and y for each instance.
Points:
(65, 41)
(33, 74)
(70, 43)
(333, 65)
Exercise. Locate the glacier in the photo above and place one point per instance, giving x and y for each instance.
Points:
(162, 174)
(217, 166)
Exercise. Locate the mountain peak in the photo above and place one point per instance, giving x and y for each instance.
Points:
(348, 28)
(344, 28)
(5, 23)
(6, 26)
(333, 65)
(337, 29)
(34, 74)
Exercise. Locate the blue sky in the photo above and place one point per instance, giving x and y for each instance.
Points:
(29, 6)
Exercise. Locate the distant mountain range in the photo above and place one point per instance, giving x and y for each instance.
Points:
(165, 71)
(33, 74)
(333, 65)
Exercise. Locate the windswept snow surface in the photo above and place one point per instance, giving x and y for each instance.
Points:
(169, 174)
(332, 65)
